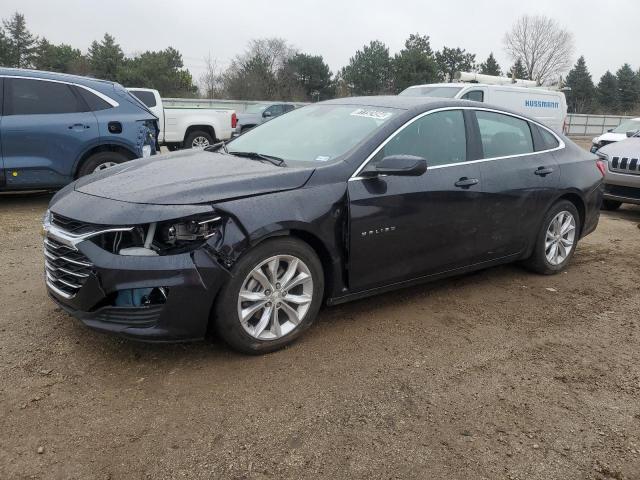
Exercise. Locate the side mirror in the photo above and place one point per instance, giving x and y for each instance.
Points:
(266, 114)
(610, 130)
(399, 165)
(632, 133)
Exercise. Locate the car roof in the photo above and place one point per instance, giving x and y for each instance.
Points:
(63, 77)
(395, 101)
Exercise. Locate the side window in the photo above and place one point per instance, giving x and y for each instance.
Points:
(148, 98)
(95, 102)
(504, 135)
(275, 110)
(36, 97)
(474, 95)
(288, 108)
(549, 141)
(439, 137)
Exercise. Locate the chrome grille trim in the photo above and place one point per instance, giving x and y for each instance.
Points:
(66, 268)
(626, 165)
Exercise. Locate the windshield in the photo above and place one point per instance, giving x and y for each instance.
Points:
(629, 125)
(441, 92)
(316, 133)
(255, 108)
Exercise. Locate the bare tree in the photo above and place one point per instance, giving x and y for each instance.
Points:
(211, 79)
(545, 48)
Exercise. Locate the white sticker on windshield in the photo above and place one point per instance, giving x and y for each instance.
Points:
(375, 114)
(323, 158)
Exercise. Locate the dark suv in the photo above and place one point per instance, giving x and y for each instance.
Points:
(55, 128)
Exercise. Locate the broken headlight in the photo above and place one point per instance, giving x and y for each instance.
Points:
(191, 230)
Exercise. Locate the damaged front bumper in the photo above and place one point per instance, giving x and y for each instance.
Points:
(149, 298)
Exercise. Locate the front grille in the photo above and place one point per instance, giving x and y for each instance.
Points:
(625, 165)
(66, 268)
(75, 227)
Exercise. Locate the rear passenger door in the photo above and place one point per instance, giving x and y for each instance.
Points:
(45, 128)
(516, 179)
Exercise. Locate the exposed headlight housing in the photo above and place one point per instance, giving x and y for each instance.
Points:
(191, 230)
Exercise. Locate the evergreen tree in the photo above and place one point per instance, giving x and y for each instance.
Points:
(308, 74)
(490, 67)
(518, 71)
(628, 88)
(452, 60)
(4, 49)
(57, 58)
(106, 58)
(415, 64)
(580, 97)
(369, 70)
(607, 93)
(20, 44)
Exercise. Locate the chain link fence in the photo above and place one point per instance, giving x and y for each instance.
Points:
(592, 125)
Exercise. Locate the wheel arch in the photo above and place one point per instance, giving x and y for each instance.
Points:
(202, 127)
(578, 202)
(104, 147)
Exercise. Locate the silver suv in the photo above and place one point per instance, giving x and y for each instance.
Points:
(622, 178)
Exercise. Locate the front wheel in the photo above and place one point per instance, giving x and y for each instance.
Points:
(273, 296)
(101, 161)
(557, 239)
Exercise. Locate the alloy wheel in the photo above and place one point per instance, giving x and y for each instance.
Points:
(275, 297)
(200, 142)
(104, 165)
(560, 238)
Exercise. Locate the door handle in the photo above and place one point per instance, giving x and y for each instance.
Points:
(543, 171)
(465, 182)
(78, 126)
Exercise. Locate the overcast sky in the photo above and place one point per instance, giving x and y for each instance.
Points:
(606, 32)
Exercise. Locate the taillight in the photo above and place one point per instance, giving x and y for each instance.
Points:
(602, 166)
(234, 120)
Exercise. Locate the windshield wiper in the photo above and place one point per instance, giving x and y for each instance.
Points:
(261, 156)
(217, 146)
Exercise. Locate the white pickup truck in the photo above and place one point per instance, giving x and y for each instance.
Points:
(187, 127)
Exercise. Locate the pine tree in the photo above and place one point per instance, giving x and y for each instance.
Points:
(629, 88)
(452, 60)
(580, 97)
(490, 66)
(20, 43)
(518, 71)
(414, 64)
(607, 93)
(106, 58)
(4, 49)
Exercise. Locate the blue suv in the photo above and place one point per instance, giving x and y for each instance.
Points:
(55, 128)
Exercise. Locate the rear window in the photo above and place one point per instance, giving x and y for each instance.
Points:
(549, 140)
(148, 98)
(39, 97)
(95, 102)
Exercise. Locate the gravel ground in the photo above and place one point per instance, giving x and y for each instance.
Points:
(501, 374)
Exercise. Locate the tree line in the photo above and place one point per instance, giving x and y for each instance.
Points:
(272, 69)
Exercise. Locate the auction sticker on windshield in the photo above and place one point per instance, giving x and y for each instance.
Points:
(375, 114)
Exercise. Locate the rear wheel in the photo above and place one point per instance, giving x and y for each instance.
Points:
(273, 296)
(611, 204)
(198, 139)
(101, 161)
(557, 239)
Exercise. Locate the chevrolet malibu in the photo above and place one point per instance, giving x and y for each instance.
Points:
(333, 202)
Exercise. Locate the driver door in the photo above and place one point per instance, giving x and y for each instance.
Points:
(407, 227)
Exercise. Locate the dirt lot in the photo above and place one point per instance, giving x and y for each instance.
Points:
(498, 375)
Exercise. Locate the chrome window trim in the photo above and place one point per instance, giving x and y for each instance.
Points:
(104, 97)
(561, 144)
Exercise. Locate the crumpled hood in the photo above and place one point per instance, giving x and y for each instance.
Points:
(190, 177)
(629, 147)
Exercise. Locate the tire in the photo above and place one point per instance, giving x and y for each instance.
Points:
(540, 261)
(258, 334)
(198, 139)
(611, 205)
(100, 161)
